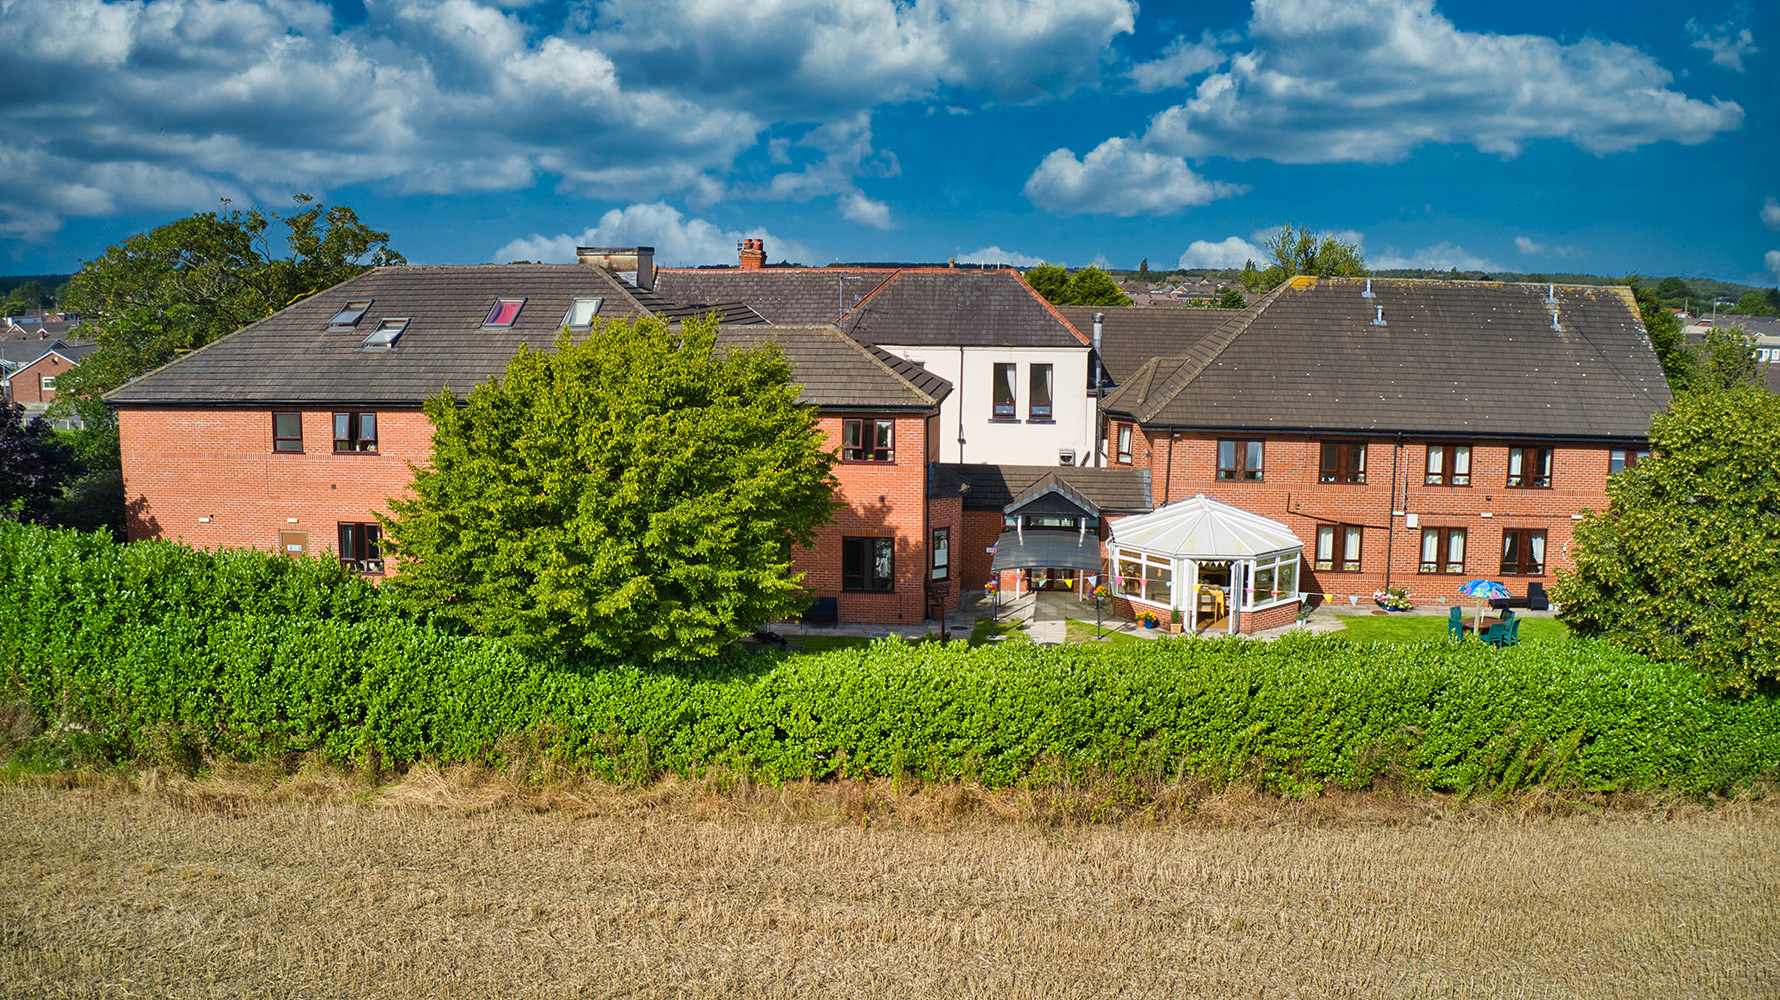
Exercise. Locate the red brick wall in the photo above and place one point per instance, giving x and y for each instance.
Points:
(183, 465)
(27, 384)
(1266, 618)
(981, 529)
(1291, 494)
(877, 500)
(949, 513)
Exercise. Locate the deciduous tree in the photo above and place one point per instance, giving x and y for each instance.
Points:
(1300, 250)
(1684, 565)
(34, 466)
(635, 496)
(1093, 287)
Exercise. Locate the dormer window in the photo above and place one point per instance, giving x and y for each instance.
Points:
(386, 333)
(505, 311)
(349, 315)
(581, 313)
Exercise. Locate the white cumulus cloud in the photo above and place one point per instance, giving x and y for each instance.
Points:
(678, 240)
(1728, 43)
(1180, 61)
(1330, 81)
(1119, 177)
(1770, 214)
(1533, 249)
(996, 255)
(1772, 259)
(1232, 251)
(856, 207)
(1439, 257)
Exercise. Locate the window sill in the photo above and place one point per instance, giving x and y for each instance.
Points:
(1331, 482)
(1004, 420)
(1512, 487)
(373, 453)
(869, 593)
(1447, 486)
(1041, 420)
(287, 451)
(868, 461)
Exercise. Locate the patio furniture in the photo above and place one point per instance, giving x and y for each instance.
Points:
(1536, 599)
(822, 611)
(1455, 623)
(1505, 634)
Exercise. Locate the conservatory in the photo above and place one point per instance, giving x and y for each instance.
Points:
(1223, 568)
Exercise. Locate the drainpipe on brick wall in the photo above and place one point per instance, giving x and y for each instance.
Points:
(1390, 512)
(960, 390)
(1168, 476)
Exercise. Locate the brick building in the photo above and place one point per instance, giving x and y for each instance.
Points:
(1416, 433)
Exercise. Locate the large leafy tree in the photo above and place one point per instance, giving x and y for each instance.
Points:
(180, 286)
(1088, 287)
(1300, 250)
(636, 495)
(34, 466)
(1684, 565)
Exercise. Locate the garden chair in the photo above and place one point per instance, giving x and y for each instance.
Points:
(1505, 634)
(1455, 623)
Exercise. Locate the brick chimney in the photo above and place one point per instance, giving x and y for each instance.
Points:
(751, 254)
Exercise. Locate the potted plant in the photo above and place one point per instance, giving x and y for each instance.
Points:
(1393, 599)
(1148, 619)
(1174, 623)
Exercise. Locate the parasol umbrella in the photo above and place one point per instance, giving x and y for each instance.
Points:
(1482, 590)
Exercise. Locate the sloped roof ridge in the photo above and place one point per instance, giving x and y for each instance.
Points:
(1220, 342)
(1052, 308)
(1137, 385)
(883, 359)
(858, 308)
(1057, 482)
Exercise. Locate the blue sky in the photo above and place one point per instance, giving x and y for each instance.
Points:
(1533, 137)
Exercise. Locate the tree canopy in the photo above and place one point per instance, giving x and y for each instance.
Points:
(1684, 565)
(1088, 287)
(34, 466)
(635, 496)
(1724, 360)
(182, 285)
(1299, 250)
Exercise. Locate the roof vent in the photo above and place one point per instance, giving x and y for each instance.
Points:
(1551, 296)
(1554, 321)
(1367, 294)
(1378, 320)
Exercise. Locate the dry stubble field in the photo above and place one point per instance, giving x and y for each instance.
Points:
(469, 885)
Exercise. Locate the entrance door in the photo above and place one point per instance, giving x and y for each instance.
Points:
(293, 543)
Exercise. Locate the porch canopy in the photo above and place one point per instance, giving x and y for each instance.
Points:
(1042, 548)
(1227, 559)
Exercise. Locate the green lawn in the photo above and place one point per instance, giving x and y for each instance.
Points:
(1080, 631)
(824, 643)
(987, 627)
(1409, 628)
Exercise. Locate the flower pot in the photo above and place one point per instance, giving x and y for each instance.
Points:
(1174, 627)
(1149, 624)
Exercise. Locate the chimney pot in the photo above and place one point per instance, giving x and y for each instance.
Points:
(751, 256)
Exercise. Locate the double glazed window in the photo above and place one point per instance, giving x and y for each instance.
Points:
(942, 553)
(1124, 452)
(1622, 459)
(1338, 547)
(1448, 465)
(1241, 459)
(1343, 462)
(1443, 550)
(287, 432)
(868, 564)
(1146, 577)
(1523, 552)
(869, 440)
(1005, 401)
(1039, 405)
(361, 548)
(1529, 468)
(355, 432)
(1276, 580)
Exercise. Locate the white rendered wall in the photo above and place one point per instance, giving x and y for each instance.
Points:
(969, 410)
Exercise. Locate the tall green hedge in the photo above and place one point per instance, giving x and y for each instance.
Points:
(306, 662)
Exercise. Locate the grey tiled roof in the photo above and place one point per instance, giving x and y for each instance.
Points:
(993, 487)
(1470, 358)
(787, 295)
(956, 308)
(1131, 336)
(838, 372)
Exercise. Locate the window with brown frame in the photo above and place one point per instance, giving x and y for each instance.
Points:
(1038, 403)
(1343, 462)
(1622, 459)
(942, 553)
(1241, 460)
(1523, 552)
(868, 564)
(1443, 550)
(355, 432)
(1529, 468)
(361, 547)
(1005, 402)
(1448, 465)
(1338, 547)
(1124, 437)
(287, 432)
(872, 440)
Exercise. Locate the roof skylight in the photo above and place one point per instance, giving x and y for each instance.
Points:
(505, 311)
(349, 314)
(581, 313)
(386, 333)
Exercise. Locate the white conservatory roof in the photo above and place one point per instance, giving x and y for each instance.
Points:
(1203, 528)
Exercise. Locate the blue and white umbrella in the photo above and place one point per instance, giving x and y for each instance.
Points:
(1483, 590)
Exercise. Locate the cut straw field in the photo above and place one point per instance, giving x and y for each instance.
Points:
(469, 885)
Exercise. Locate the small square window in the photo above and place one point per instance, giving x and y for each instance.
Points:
(287, 432)
(581, 313)
(349, 314)
(386, 333)
(355, 432)
(505, 311)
